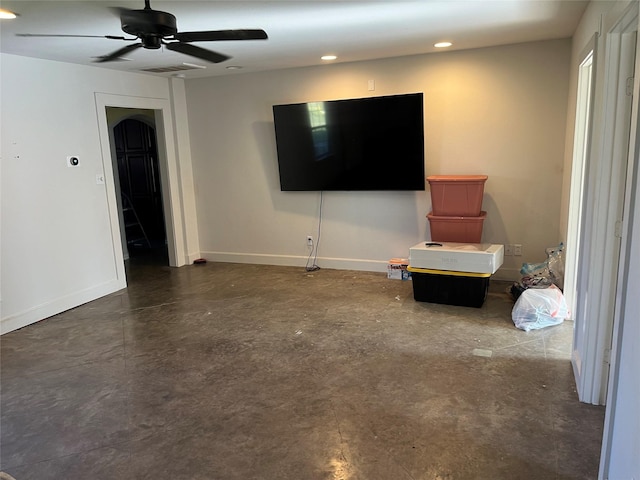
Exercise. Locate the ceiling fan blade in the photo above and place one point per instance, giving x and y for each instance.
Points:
(219, 35)
(197, 52)
(119, 53)
(111, 37)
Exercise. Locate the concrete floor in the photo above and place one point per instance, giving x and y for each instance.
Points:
(226, 371)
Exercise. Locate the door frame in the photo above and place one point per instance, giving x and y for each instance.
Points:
(620, 411)
(169, 175)
(582, 140)
(598, 265)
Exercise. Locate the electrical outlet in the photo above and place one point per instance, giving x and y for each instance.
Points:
(517, 250)
(309, 241)
(508, 250)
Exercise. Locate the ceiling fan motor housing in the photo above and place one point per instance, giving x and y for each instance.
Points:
(149, 25)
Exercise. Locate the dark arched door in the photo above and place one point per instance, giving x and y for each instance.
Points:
(139, 175)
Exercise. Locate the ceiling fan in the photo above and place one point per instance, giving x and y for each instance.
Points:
(155, 28)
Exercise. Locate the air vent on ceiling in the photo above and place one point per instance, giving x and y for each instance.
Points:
(173, 68)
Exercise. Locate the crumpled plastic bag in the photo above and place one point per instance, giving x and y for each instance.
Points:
(539, 308)
(555, 257)
(544, 274)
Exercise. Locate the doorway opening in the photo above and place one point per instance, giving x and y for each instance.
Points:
(136, 173)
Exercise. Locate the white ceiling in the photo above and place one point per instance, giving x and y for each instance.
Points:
(299, 31)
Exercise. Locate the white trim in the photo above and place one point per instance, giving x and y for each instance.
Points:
(168, 172)
(169, 181)
(297, 261)
(598, 265)
(189, 223)
(359, 264)
(624, 309)
(192, 256)
(583, 129)
(57, 305)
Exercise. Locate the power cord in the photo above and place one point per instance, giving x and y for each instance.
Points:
(314, 250)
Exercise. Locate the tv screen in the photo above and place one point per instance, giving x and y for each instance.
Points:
(374, 143)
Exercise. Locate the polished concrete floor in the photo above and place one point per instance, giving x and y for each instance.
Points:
(226, 371)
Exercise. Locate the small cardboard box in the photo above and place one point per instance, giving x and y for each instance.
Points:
(397, 269)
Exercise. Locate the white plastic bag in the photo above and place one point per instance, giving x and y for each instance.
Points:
(539, 308)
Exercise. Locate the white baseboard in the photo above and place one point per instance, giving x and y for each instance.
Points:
(191, 257)
(504, 274)
(58, 305)
(296, 261)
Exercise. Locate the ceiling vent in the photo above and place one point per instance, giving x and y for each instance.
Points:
(172, 68)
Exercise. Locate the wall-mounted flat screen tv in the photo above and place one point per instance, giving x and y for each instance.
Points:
(374, 143)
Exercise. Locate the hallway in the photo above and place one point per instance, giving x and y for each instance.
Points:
(228, 371)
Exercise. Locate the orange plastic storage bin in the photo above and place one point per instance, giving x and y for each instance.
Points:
(457, 195)
(456, 229)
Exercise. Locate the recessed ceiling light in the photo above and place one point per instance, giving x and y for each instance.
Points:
(328, 57)
(234, 67)
(443, 44)
(6, 14)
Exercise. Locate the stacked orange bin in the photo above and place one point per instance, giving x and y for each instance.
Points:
(456, 208)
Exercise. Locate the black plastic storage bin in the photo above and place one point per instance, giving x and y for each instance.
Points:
(464, 289)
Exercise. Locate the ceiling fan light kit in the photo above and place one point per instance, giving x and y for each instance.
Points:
(156, 29)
